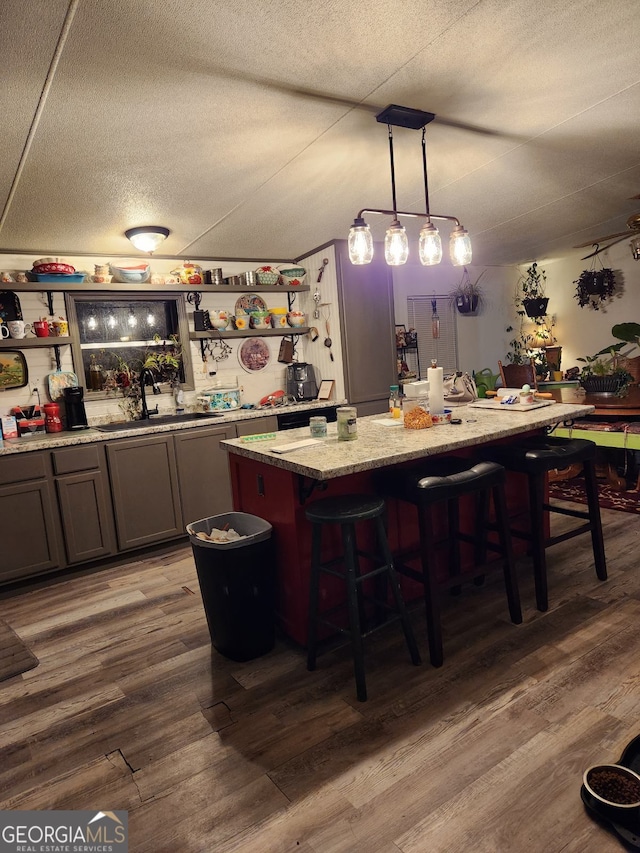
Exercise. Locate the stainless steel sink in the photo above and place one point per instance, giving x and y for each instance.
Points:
(158, 420)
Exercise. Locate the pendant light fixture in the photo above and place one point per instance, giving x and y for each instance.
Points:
(396, 244)
(147, 238)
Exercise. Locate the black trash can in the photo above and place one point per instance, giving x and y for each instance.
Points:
(237, 582)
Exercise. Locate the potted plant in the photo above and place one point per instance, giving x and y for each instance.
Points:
(603, 374)
(594, 287)
(531, 293)
(468, 295)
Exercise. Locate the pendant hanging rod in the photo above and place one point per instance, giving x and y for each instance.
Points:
(409, 213)
(393, 170)
(424, 170)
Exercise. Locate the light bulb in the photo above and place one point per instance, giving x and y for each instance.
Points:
(92, 322)
(360, 242)
(396, 245)
(111, 321)
(132, 319)
(429, 245)
(147, 238)
(150, 319)
(460, 247)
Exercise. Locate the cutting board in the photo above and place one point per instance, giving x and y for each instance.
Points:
(511, 407)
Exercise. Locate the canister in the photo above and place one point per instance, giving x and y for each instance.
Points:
(52, 420)
(347, 423)
(318, 426)
(220, 399)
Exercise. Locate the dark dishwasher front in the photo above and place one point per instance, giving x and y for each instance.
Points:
(291, 420)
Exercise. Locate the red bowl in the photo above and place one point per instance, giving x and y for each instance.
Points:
(63, 269)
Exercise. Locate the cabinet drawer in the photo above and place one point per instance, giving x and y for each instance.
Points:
(21, 467)
(75, 459)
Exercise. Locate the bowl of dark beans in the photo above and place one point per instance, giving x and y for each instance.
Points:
(614, 791)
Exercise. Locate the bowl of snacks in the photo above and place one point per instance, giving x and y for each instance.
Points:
(613, 791)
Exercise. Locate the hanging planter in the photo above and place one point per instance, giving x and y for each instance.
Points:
(468, 295)
(534, 308)
(595, 287)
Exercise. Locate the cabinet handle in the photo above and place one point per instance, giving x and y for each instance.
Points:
(260, 484)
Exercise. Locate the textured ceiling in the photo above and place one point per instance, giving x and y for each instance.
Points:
(248, 128)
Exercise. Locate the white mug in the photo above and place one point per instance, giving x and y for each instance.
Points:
(18, 328)
(4, 331)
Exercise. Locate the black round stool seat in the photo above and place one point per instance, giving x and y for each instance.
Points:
(441, 480)
(542, 453)
(345, 508)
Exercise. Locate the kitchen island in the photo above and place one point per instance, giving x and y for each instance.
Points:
(277, 486)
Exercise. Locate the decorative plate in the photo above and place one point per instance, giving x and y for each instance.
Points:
(250, 302)
(13, 370)
(254, 354)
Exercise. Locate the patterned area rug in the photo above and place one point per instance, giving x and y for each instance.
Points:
(15, 657)
(573, 490)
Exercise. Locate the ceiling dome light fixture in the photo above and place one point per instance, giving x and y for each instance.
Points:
(147, 238)
(396, 244)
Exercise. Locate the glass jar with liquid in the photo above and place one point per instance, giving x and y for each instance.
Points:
(347, 423)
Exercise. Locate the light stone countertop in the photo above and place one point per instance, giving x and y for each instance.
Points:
(378, 445)
(48, 441)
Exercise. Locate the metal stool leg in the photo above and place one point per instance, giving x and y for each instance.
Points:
(597, 539)
(351, 576)
(397, 595)
(314, 593)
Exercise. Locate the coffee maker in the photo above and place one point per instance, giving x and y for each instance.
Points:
(74, 406)
(301, 381)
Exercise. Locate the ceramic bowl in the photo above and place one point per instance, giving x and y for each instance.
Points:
(241, 322)
(219, 320)
(260, 320)
(444, 418)
(296, 319)
(58, 268)
(268, 275)
(601, 781)
(131, 275)
(294, 275)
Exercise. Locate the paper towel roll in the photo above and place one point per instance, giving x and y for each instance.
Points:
(436, 390)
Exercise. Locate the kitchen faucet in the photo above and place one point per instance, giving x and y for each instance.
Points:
(145, 373)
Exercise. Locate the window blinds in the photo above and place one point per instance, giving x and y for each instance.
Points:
(445, 348)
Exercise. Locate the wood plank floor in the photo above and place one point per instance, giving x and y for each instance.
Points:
(130, 708)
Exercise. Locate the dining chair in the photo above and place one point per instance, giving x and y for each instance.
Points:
(517, 375)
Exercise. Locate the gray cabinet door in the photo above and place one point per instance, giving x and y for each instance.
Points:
(253, 426)
(203, 472)
(87, 519)
(29, 543)
(368, 330)
(144, 487)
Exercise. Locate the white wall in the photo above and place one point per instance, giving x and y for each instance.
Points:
(583, 331)
(481, 338)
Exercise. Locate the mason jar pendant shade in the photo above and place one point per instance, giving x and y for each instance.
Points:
(360, 242)
(460, 247)
(429, 245)
(396, 243)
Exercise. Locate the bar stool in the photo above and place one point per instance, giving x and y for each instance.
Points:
(446, 480)
(347, 511)
(535, 457)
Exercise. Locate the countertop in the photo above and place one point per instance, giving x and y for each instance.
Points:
(378, 445)
(48, 441)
